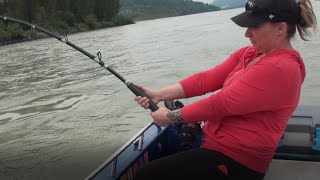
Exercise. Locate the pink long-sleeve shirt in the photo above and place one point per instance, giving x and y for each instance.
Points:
(247, 117)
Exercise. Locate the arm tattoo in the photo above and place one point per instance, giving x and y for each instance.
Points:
(175, 116)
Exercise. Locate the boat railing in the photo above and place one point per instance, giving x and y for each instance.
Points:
(137, 141)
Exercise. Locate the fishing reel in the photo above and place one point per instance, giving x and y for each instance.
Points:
(188, 133)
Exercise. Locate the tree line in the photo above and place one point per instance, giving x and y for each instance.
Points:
(56, 10)
(64, 15)
(67, 16)
(149, 9)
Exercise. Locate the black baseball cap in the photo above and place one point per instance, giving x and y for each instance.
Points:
(260, 11)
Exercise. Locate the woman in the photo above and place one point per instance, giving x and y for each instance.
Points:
(259, 88)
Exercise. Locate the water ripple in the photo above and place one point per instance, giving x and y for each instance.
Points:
(40, 105)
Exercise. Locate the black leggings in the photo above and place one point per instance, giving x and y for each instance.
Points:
(196, 163)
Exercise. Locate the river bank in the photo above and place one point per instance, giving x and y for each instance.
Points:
(17, 33)
(34, 35)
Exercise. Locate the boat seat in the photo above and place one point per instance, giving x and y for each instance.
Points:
(298, 154)
(293, 170)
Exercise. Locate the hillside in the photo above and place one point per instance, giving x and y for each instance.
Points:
(150, 9)
(64, 16)
(229, 4)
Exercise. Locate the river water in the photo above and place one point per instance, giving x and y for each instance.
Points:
(61, 115)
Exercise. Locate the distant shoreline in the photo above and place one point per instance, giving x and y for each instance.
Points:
(40, 35)
(15, 41)
(21, 34)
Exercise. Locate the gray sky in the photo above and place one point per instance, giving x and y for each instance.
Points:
(205, 1)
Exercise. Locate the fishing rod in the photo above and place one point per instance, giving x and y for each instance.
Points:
(137, 91)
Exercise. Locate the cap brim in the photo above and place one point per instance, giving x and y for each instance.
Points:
(246, 19)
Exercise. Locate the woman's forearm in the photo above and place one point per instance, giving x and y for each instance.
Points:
(170, 92)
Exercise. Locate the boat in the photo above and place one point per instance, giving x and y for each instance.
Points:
(297, 156)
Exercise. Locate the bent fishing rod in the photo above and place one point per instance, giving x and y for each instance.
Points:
(137, 91)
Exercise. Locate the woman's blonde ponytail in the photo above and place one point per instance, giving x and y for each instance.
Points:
(307, 18)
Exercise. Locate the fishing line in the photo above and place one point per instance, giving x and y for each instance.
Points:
(98, 59)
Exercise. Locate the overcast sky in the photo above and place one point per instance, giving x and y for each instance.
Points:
(205, 1)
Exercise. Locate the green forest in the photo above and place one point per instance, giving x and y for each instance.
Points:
(65, 16)
(150, 9)
(68, 16)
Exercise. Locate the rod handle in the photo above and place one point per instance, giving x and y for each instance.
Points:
(138, 92)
